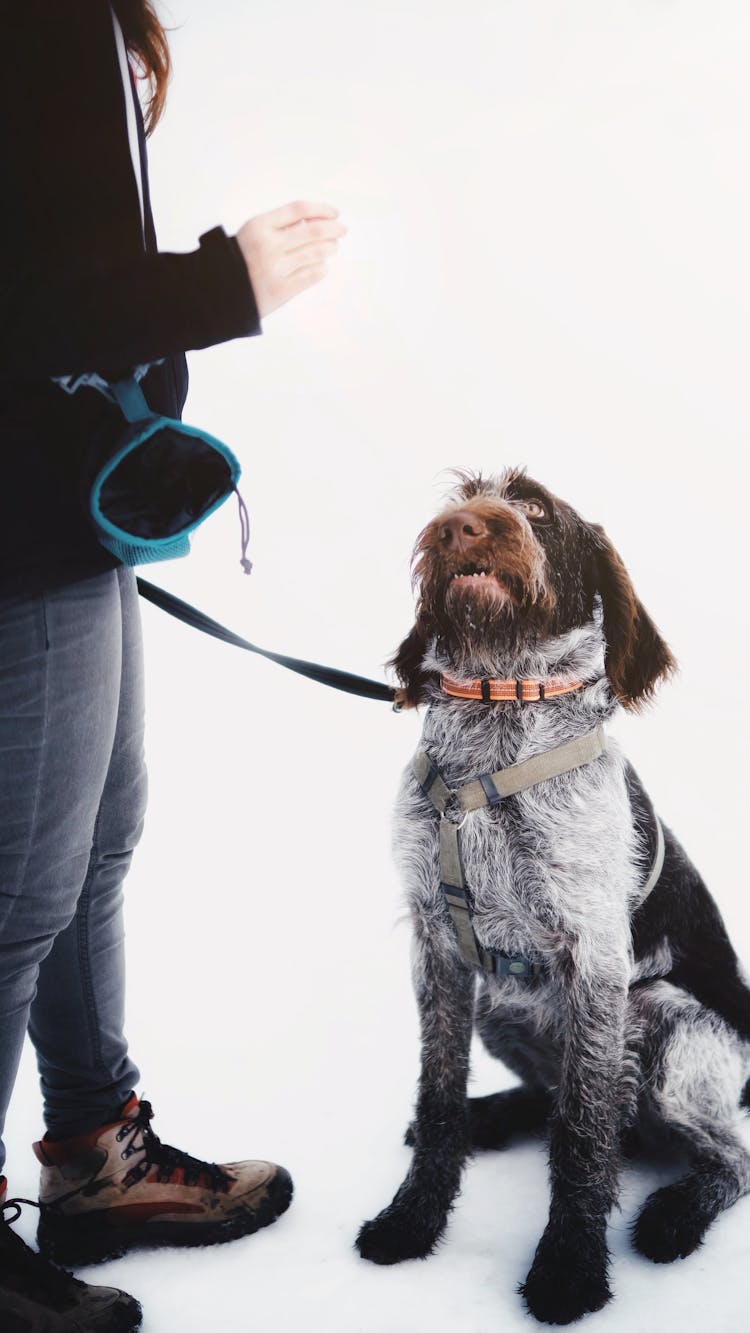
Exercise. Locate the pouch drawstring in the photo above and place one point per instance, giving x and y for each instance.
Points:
(247, 564)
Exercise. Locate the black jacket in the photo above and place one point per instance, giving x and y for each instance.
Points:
(79, 292)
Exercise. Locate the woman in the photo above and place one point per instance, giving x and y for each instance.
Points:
(88, 297)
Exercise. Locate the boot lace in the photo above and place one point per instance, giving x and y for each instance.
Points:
(138, 1136)
(23, 1269)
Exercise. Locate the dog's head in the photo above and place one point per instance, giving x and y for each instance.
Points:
(506, 566)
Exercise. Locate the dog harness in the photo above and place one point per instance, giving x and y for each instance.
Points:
(491, 789)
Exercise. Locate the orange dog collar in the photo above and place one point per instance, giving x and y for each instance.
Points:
(495, 691)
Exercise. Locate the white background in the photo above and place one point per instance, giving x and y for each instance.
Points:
(546, 264)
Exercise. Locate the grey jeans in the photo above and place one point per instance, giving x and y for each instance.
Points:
(72, 803)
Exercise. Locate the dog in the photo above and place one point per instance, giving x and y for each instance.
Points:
(559, 916)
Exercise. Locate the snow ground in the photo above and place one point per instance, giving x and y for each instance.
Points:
(546, 264)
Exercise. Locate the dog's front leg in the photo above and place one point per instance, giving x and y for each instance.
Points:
(411, 1225)
(568, 1277)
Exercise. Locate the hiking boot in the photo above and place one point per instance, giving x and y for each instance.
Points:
(120, 1188)
(35, 1297)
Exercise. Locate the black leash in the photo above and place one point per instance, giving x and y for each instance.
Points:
(338, 680)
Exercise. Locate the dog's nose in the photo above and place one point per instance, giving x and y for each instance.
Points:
(461, 530)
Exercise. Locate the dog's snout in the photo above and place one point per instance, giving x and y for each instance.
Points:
(461, 531)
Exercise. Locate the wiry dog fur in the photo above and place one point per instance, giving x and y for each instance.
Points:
(639, 1023)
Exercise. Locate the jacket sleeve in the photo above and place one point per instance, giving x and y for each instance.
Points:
(124, 314)
(78, 292)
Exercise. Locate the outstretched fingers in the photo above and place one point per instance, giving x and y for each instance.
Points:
(290, 215)
(287, 250)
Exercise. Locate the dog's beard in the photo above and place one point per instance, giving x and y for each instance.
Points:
(479, 629)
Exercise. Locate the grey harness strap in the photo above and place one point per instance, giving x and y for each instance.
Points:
(453, 887)
(490, 789)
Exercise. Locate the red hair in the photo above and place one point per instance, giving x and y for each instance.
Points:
(146, 40)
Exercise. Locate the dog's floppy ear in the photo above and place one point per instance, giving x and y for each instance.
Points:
(637, 657)
(407, 663)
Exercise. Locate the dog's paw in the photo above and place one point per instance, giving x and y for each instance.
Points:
(394, 1235)
(671, 1224)
(566, 1281)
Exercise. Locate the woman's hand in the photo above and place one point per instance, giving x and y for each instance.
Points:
(287, 250)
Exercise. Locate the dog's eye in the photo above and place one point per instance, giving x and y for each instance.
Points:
(534, 509)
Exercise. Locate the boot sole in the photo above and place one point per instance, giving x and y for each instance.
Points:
(74, 1242)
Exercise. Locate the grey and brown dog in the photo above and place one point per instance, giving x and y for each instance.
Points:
(627, 1019)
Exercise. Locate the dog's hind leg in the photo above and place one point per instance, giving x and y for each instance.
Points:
(410, 1227)
(493, 1120)
(510, 1037)
(700, 1071)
